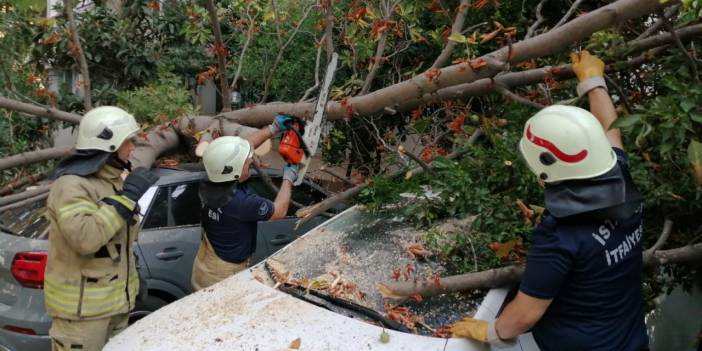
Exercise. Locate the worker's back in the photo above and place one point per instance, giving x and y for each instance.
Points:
(591, 267)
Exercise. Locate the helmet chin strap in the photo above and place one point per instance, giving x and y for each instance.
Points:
(118, 163)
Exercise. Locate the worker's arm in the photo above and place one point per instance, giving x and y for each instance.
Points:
(282, 200)
(520, 315)
(280, 124)
(602, 107)
(590, 72)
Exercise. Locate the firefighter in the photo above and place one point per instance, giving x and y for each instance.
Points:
(230, 209)
(91, 281)
(581, 288)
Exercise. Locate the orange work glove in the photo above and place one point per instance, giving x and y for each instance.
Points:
(479, 330)
(589, 70)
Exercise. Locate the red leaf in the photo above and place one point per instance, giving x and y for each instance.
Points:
(477, 63)
(432, 74)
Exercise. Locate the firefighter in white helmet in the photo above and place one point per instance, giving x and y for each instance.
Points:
(230, 209)
(91, 281)
(581, 288)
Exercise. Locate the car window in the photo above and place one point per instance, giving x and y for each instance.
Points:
(158, 213)
(185, 204)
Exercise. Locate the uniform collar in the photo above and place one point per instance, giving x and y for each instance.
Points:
(111, 174)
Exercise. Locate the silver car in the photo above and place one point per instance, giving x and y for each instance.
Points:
(168, 241)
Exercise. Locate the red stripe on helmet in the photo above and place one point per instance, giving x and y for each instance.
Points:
(554, 149)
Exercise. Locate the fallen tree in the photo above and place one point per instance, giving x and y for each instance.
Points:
(511, 275)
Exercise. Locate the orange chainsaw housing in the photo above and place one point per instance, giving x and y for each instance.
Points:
(290, 147)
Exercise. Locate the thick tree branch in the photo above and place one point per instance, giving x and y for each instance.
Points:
(35, 110)
(505, 276)
(667, 228)
(24, 202)
(19, 183)
(79, 55)
(456, 28)
(220, 51)
(30, 157)
(5, 200)
(397, 95)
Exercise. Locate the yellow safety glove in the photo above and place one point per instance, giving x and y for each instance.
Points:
(590, 71)
(479, 330)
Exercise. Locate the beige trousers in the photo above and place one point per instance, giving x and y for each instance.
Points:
(209, 269)
(85, 335)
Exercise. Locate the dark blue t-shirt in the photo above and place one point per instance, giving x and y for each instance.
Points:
(592, 271)
(231, 229)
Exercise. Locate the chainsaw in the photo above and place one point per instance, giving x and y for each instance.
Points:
(292, 146)
(299, 143)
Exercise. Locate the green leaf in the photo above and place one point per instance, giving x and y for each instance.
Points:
(421, 126)
(457, 37)
(626, 122)
(696, 117)
(687, 105)
(694, 154)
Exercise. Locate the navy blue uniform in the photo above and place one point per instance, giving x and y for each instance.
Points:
(231, 229)
(592, 271)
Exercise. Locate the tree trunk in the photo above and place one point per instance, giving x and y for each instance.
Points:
(220, 51)
(79, 55)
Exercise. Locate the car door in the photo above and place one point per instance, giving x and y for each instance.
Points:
(274, 235)
(170, 234)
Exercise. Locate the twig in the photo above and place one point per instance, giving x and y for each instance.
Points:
(678, 42)
(249, 35)
(221, 59)
(510, 95)
(316, 74)
(79, 55)
(620, 92)
(473, 27)
(419, 161)
(282, 48)
(336, 175)
(669, 12)
(456, 28)
(539, 19)
(570, 12)
(379, 51)
(667, 228)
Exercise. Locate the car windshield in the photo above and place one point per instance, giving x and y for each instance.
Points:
(27, 221)
(346, 257)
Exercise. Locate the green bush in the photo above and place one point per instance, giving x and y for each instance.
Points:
(157, 102)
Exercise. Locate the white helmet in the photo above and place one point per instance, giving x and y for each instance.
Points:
(225, 157)
(566, 142)
(105, 128)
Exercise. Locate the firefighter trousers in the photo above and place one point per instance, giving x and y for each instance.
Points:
(85, 335)
(209, 269)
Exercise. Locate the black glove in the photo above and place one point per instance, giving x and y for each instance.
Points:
(137, 183)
